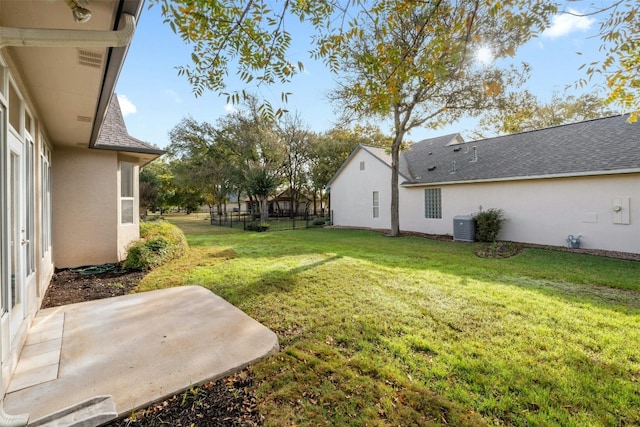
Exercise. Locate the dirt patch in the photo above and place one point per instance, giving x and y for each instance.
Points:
(225, 402)
(70, 286)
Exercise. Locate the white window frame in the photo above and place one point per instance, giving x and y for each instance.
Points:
(376, 204)
(127, 195)
(45, 194)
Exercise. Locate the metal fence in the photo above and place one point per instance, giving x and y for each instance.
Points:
(252, 222)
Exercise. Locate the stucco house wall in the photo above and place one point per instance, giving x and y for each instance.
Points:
(352, 193)
(83, 224)
(541, 211)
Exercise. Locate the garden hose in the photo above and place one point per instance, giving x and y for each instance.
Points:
(95, 269)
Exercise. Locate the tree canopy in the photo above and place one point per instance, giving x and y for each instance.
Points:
(526, 112)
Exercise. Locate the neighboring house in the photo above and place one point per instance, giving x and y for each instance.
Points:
(576, 179)
(69, 190)
(280, 204)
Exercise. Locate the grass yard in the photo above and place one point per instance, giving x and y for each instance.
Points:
(379, 331)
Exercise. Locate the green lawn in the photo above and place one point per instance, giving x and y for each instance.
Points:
(408, 331)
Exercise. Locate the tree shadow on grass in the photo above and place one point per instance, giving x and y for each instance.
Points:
(281, 280)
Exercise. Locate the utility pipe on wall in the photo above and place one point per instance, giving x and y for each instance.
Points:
(39, 37)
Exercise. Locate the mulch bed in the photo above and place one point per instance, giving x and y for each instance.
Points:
(225, 402)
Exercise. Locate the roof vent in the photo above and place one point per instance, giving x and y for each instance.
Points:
(90, 58)
(453, 166)
(457, 149)
(431, 169)
(474, 156)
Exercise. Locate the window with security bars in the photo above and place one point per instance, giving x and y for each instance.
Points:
(376, 205)
(433, 203)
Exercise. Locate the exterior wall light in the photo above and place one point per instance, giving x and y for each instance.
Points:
(80, 13)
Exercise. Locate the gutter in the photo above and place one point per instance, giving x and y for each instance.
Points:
(523, 178)
(38, 37)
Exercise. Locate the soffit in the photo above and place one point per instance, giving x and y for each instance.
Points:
(65, 84)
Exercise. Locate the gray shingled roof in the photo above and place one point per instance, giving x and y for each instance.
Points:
(114, 136)
(594, 147)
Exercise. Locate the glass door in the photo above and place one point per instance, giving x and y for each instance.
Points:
(13, 291)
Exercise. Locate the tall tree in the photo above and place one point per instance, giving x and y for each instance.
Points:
(295, 137)
(257, 152)
(525, 112)
(415, 65)
(203, 162)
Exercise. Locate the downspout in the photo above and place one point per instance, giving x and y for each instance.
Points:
(38, 37)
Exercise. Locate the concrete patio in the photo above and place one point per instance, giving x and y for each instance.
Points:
(131, 350)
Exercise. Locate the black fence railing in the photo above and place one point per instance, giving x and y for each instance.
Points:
(252, 222)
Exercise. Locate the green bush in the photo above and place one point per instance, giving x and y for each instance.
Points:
(160, 242)
(318, 221)
(488, 224)
(258, 226)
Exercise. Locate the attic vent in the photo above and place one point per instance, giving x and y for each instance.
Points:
(89, 58)
(457, 149)
(84, 119)
(431, 169)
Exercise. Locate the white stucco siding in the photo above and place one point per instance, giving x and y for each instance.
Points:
(352, 193)
(85, 206)
(542, 211)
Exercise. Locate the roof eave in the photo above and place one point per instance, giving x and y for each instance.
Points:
(114, 65)
(524, 178)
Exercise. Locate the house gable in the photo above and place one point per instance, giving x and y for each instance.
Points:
(379, 154)
(114, 136)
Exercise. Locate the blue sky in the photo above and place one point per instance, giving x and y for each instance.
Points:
(154, 98)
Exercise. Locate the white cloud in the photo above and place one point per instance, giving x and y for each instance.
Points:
(567, 23)
(173, 94)
(229, 108)
(126, 106)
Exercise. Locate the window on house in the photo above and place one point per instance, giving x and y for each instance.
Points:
(45, 194)
(433, 203)
(126, 192)
(362, 165)
(15, 108)
(376, 204)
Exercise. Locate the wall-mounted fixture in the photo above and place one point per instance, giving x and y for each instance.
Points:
(80, 13)
(573, 242)
(621, 213)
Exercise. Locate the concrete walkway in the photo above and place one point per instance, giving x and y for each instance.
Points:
(136, 348)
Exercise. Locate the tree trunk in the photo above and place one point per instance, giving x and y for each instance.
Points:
(315, 196)
(395, 196)
(264, 210)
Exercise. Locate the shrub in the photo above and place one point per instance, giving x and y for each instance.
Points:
(258, 226)
(488, 224)
(160, 242)
(318, 221)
